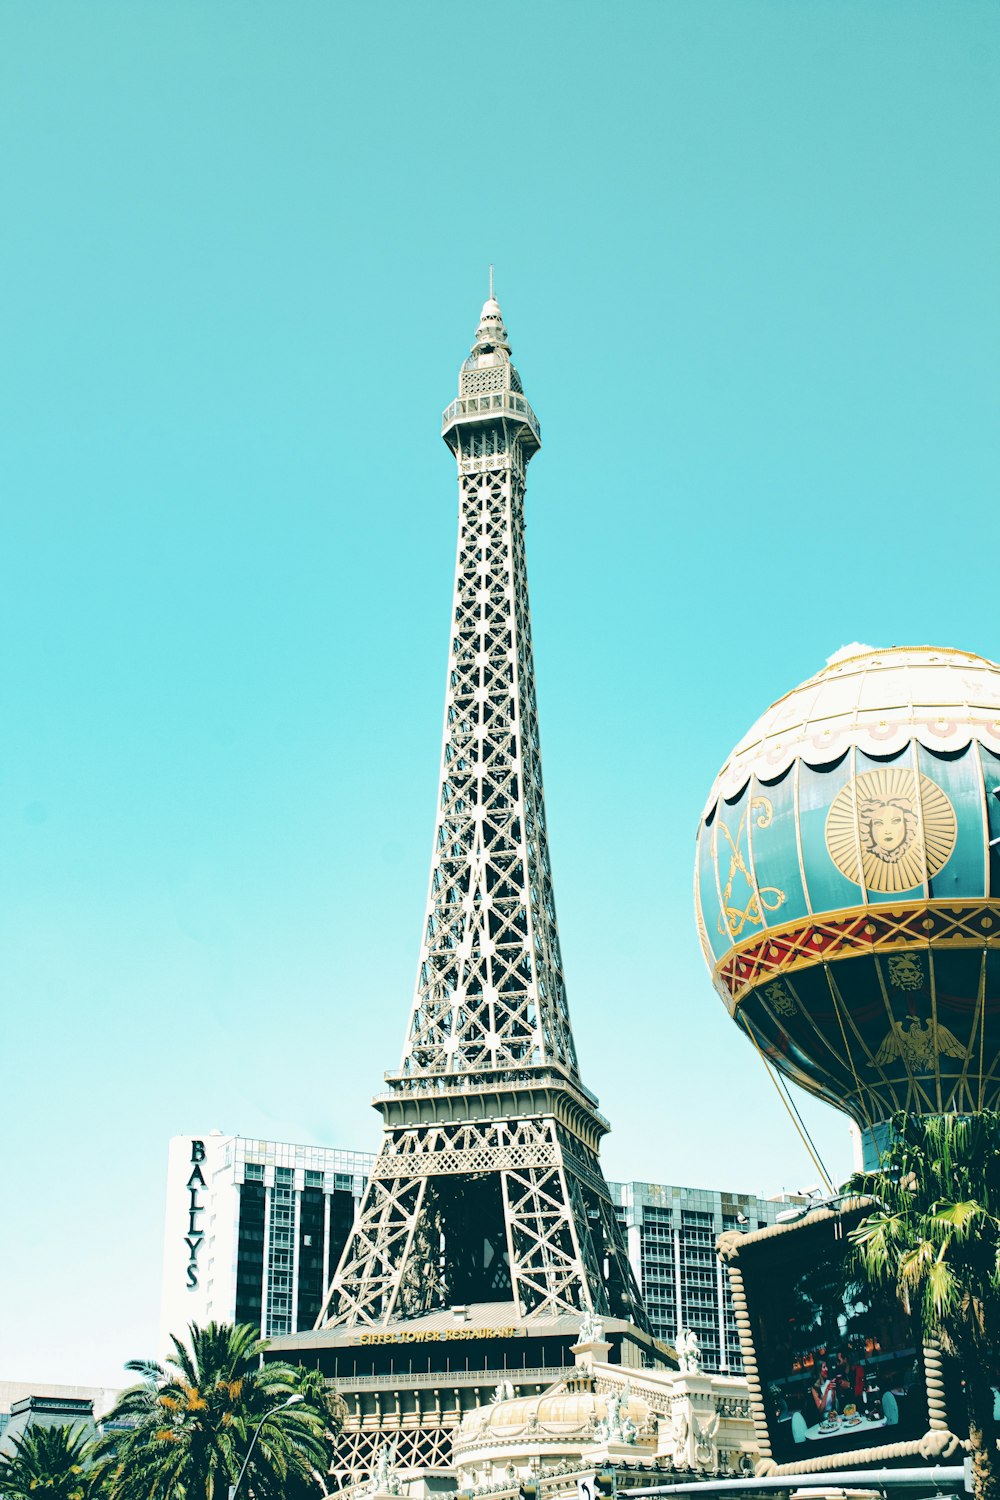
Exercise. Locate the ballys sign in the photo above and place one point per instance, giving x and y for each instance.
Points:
(195, 1234)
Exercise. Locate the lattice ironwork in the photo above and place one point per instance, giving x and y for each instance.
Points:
(370, 1272)
(545, 1253)
(490, 991)
(488, 1091)
(358, 1447)
(483, 1146)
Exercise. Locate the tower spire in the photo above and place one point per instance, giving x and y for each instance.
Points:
(488, 1186)
(490, 991)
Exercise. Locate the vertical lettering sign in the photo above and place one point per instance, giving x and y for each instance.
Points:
(195, 1233)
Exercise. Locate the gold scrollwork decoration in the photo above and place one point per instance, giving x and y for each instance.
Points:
(733, 918)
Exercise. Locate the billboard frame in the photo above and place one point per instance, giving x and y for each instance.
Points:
(736, 1250)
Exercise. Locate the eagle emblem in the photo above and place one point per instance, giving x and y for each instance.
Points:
(917, 1045)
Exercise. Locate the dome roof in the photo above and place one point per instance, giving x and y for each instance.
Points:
(557, 1412)
(491, 334)
(876, 700)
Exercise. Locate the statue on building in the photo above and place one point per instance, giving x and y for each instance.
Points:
(385, 1479)
(689, 1352)
(617, 1426)
(706, 1449)
(591, 1329)
(690, 1442)
(675, 1441)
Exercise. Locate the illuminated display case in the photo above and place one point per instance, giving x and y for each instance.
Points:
(838, 1373)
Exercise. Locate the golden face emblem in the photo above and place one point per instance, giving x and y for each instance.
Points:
(888, 825)
(890, 830)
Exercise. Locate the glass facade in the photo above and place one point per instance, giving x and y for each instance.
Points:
(671, 1233)
(296, 1209)
(250, 1254)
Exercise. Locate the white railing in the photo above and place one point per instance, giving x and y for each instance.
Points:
(447, 1379)
(485, 405)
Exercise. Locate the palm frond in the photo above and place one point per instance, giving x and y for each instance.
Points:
(192, 1430)
(934, 1231)
(960, 1216)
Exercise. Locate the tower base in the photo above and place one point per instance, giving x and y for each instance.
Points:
(408, 1384)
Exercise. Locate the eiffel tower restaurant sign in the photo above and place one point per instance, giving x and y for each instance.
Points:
(434, 1336)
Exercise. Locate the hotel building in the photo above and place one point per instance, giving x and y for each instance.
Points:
(254, 1230)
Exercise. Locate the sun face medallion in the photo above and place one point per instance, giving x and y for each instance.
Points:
(900, 829)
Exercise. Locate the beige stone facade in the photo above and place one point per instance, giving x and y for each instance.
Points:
(637, 1422)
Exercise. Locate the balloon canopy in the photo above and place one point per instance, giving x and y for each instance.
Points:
(847, 883)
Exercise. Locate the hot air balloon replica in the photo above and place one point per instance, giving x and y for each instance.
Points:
(847, 884)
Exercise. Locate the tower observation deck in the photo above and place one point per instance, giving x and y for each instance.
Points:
(487, 1203)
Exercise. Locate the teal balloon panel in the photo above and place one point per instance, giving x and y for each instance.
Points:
(991, 779)
(829, 886)
(773, 833)
(966, 870)
(707, 898)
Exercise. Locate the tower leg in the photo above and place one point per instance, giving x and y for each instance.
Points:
(547, 1266)
(369, 1284)
(620, 1279)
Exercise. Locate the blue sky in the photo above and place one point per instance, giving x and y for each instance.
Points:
(746, 251)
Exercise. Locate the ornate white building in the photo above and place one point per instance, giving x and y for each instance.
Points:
(640, 1423)
(602, 1416)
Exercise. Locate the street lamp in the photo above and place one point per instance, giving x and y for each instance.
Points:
(272, 1413)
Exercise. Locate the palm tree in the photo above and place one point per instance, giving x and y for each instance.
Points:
(190, 1425)
(934, 1237)
(49, 1463)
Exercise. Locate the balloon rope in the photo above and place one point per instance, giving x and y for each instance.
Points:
(794, 1115)
(982, 1026)
(834, 996)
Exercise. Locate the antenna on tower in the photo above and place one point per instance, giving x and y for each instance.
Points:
(491, 281)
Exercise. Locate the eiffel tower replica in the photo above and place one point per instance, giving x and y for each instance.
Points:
(487, 1231)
